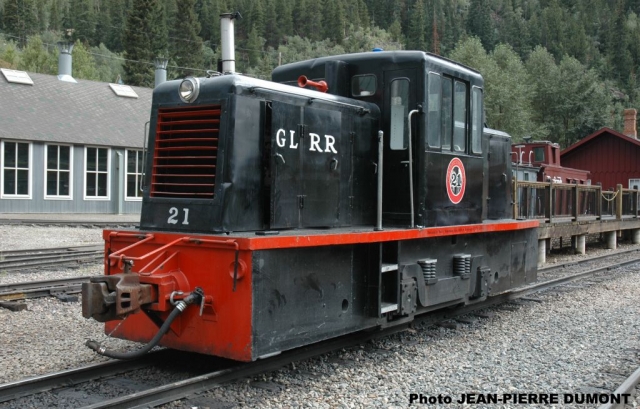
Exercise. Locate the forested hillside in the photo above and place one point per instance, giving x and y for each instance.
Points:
(554, 69)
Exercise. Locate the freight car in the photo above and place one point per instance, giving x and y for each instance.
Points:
(275, 215)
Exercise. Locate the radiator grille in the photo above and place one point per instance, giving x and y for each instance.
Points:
(186, 149)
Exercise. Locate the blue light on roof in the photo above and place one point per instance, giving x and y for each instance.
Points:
(377, 49)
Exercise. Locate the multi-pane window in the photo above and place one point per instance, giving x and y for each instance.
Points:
(134, 173)
(58, 172)
(97, 173)
(16, 171)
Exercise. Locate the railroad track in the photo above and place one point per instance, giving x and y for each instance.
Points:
(228, 371)
(627, 387)
(37, 289)
(71, 223)
(14, 260)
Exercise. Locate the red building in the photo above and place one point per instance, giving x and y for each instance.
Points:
(611, 157)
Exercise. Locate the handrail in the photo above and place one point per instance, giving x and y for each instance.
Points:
(121, 259)
(548, 200)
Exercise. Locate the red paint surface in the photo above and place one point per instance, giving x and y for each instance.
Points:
(225, 327)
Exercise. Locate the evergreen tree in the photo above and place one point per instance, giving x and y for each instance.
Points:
(117, 16)
(159, 34)
(171, 10)
(452, 28)
(513, 29)
(41, 15)
(395, 30)
(103, 23)
(284, 11)
(20, 19)
(312, 19)
(209, 17)
(416, 35)
(479, 22)
(357, 14)
(185, 44)
(255, 17)
(55, 16)
(334, 21)
(299, 13)
(138, 49)
(618, 41)
(553, 29)
(254, 47)
(82, 20)
(271, 30)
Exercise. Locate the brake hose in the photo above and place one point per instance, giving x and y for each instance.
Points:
(193, 298)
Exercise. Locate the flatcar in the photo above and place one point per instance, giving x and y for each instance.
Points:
(276, 215)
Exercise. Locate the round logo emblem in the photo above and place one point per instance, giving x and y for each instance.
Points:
(456, 180)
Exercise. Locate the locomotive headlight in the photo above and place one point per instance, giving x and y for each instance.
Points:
(189, 89)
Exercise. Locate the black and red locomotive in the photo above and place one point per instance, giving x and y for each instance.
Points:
(286, 215)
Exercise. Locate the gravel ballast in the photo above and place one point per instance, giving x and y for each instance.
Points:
(582, 339)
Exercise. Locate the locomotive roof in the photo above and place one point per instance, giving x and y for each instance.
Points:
(87, 112)
(239, 84)
(399, 58)
(496, 132)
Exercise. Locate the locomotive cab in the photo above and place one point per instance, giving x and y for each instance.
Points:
(429, 154)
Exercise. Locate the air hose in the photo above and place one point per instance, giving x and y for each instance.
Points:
(193, 298)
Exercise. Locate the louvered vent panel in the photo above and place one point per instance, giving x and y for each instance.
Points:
(186, 150)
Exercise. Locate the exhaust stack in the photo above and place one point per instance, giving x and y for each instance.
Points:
(65, 61)
(160, 64)
(227, 32)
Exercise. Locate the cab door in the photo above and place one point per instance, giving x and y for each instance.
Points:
(400, 99)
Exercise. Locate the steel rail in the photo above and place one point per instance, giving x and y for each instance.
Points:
(13, 253)
(38, 289)
(95, 223)
(584, 260)
(178, 390)
(626, 387)
(43, 383)
(25, 259)
(184, 388)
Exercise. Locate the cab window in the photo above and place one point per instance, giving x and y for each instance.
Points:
(477, 122)
(399, 110)
(363, 85)
(447, 113)
(460, 117)
(433, 110)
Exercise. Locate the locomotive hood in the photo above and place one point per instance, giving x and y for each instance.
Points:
(247, 155)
